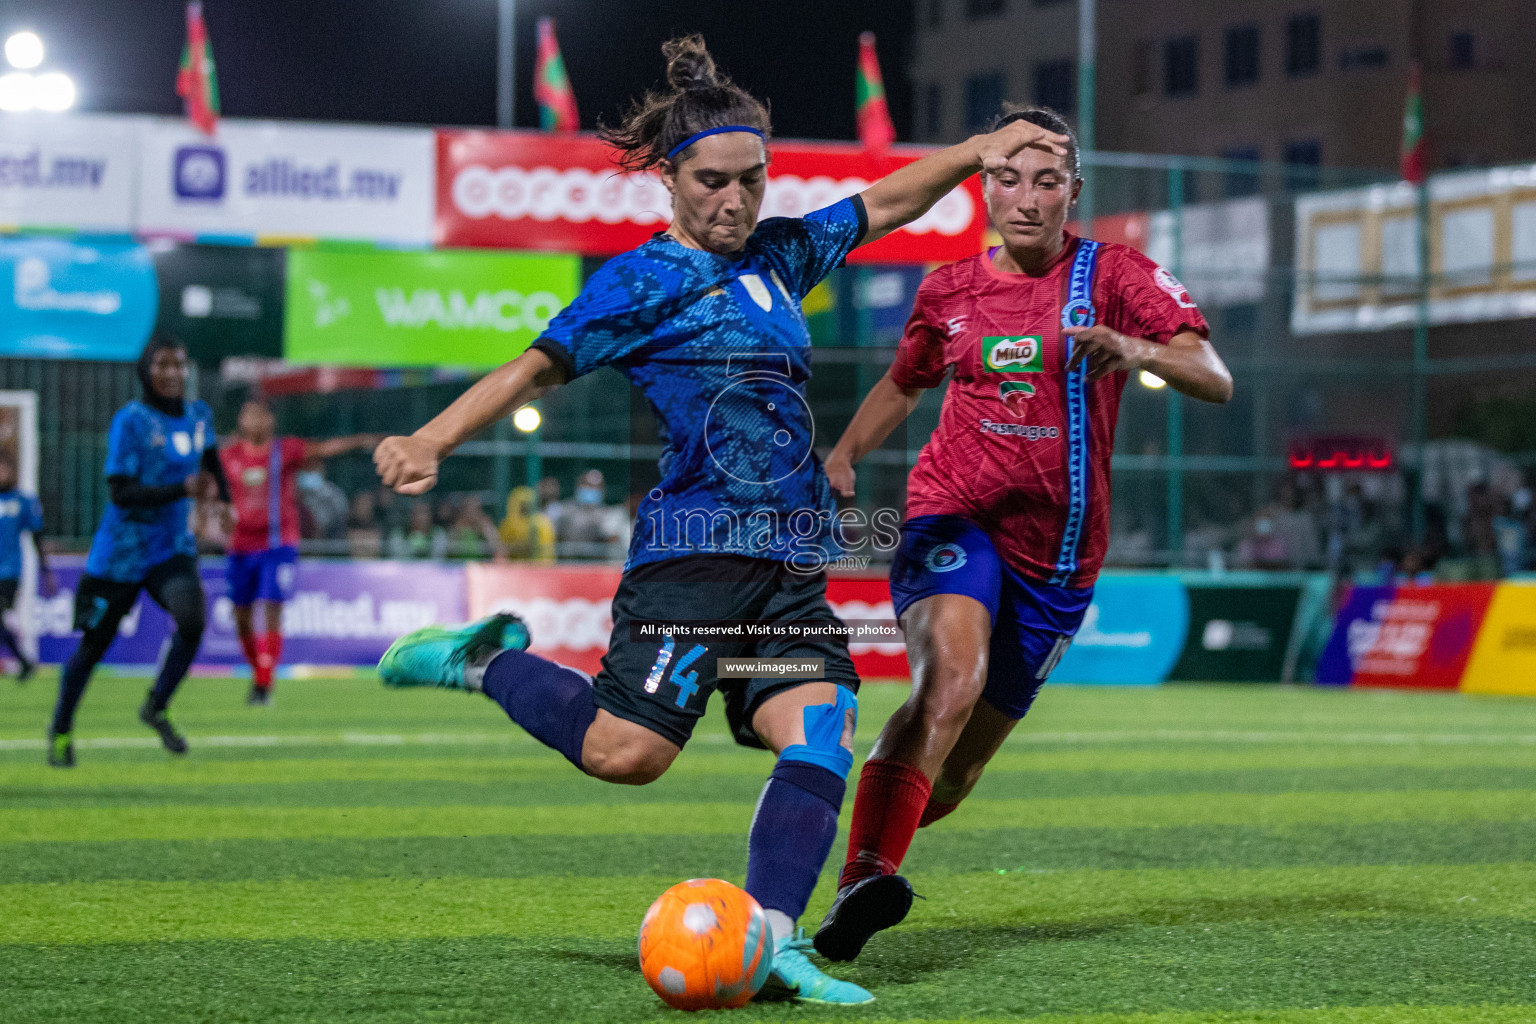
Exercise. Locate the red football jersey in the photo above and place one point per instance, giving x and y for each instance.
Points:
(249, 469)
(1001, 453)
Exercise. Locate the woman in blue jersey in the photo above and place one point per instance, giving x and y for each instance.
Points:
(161, 454)
(705, 319)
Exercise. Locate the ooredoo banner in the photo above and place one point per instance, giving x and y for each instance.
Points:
(1132, 633)
(342, 613)
(529, 190)
(383, 308)
(1404, 636)
(67, 172)
(286, 180)
(81, 298)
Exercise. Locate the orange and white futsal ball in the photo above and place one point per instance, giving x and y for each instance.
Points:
(705, 945)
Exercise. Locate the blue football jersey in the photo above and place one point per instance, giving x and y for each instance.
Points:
(18, 512)
(720, 349)
(156, 450)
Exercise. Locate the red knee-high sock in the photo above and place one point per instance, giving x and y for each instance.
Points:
(935, 810)
(269, 650)
(886, 810)
(249, 644)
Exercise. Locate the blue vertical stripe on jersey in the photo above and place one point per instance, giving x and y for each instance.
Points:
(1079, 300)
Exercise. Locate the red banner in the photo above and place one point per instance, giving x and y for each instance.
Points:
(1418, 636)
(529, 190)
(567, 610)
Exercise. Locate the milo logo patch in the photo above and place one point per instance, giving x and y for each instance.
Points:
(1016, 354)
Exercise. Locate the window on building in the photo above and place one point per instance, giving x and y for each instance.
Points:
(1181, 66)
(983, 99)
(933, 112)
(1239, 181)
(983, 8)
(1303, 44)
(935, 13)
(1242, 55)
(1305, 157)
(1056, 85)
(1462, 53)
(1366, 57)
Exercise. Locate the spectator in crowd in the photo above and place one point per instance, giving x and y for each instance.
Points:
(323, 503)
(473, 533)
(586, 525)
(550, 504)
(1479, 536)
(1509, 531)
(364, 538)
(420, 537)
(526, 532)
(1282, 534)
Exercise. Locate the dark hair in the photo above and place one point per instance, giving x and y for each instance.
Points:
(1051, 121)
(700, 97)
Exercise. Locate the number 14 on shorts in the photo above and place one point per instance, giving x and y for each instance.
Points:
(687, 682)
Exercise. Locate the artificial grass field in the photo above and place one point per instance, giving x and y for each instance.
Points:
(1134, 856)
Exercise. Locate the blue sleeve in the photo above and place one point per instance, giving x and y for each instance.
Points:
(616, 312)
(125, 445)
(809, 248)
(34, 520)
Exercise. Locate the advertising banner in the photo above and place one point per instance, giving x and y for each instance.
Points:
(529, 190)
(1132, 634)
(222, 300)
(342, 613)
(1237, 633)
(286, 180)
(1404, 636)
(567, 610)
(1504, 657)
(67, 172)
(472, 309)
(75, 299)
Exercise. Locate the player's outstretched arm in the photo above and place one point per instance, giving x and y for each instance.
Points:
(1188, 362)
(409, 464)
(905, 195)
(333, 446)
(882, 410)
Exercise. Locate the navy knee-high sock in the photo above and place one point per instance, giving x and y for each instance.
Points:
(551, 702)
(792, 834)
(72, 680)
(178, 659)
(8, 641)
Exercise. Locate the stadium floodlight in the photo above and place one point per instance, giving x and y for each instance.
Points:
(1151, 380)
(18, 92)
(53, 91)
(24, 50)
(526, 419)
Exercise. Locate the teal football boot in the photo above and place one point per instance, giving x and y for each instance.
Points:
(451, 657)
(793, 974)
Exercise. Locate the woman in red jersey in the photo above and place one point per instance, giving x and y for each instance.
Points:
(1008, 505)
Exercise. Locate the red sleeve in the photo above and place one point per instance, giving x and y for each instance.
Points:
(920, 359)
(1148, 302)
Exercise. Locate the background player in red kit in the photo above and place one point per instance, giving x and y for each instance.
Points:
(1008, 505)
(263, 548)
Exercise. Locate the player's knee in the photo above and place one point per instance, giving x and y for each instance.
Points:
(827, 727)
(946, 700)
(630, 764)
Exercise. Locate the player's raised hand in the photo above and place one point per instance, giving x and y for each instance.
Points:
(407, 464)
(1106, 351)
(995, 149)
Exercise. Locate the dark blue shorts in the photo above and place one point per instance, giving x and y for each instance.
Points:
(1032, 623)
(262, 575)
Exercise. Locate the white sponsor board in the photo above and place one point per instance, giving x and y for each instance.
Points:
(288, 179)
(68, 172)
(1357, 252)
(1223, 249)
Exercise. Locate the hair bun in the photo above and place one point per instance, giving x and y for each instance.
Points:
(689, 65)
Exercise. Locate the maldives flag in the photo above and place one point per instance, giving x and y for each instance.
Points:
(551, 87)
(1411, 161)
(195, 82)
(875, 129)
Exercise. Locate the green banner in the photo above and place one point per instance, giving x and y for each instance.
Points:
(466, 308)
(1237, 634)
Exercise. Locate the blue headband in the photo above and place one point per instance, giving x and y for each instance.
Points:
(696, 136)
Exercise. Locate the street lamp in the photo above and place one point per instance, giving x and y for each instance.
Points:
(21, 90)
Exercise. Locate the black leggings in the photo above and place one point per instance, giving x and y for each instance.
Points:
(99, 608)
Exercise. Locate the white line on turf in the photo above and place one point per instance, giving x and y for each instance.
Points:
(363, 739)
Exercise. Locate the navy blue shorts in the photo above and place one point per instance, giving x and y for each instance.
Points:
(262, 575)
(1032, 623)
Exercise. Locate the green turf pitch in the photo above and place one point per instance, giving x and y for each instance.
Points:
(1176, 855)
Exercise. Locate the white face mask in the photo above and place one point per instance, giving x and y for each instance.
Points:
(589, 495)
(308, 478)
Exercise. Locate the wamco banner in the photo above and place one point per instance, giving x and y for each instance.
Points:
(286, 180)
(67, 172)
(470, 309)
